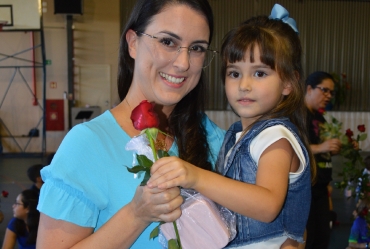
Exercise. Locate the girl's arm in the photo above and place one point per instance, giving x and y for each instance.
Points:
(121, 230)
(10, 239)
(261, 201)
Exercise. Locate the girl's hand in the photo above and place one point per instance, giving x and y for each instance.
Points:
(170, 172)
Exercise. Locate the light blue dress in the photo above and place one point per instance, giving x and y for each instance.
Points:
(87, 181)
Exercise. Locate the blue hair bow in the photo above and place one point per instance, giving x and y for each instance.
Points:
(278, 12)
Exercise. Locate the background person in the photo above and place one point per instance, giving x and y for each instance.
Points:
(33, 173)
(319, 91)
(23, 227)
(89, 199)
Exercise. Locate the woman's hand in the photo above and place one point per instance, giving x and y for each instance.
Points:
(355, 145)
(154, 204)
(332, 145)
(169, 172)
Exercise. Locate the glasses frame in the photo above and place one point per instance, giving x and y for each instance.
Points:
(18, 204)
(326, 90)
(214, 52)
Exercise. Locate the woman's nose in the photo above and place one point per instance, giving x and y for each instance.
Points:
(182, 59)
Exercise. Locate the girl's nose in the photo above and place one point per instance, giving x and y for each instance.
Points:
(245, 84)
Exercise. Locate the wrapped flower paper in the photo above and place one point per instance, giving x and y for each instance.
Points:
(203, 224)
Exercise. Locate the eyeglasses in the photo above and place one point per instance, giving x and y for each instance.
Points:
(168, 46)
(325, 90)
(18, 204)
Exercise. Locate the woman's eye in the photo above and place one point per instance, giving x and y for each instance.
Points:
(260, 74)
(167, 42)
(198, 48)
(233, 74)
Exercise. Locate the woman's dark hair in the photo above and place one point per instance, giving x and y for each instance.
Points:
(280, 48)
(317, 77)
(185, 121)
(30, 199)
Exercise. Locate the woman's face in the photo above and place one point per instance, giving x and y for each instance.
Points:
(19, 211)
(320, 96)
(163, 77)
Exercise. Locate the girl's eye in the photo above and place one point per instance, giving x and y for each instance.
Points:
(233, 74)
(260, 74)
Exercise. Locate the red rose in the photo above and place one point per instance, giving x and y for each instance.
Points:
(4, 193)
(143, 116)
(321, 111)
(361, 128)
(349, 133)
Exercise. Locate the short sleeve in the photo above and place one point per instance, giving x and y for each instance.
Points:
(271, 135)
(215, 137)
(11, 225)
(71, 181)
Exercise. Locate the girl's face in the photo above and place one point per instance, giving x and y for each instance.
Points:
(163, 77)
(19, 211)
(319, 97)
(253, 89)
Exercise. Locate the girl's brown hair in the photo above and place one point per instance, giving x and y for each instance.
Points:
(280, 48)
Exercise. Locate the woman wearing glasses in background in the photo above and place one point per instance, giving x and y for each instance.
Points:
(23, 227)
(319, 91)
(89, 199)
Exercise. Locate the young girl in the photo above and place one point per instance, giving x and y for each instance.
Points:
(23, 227)
(265, 158)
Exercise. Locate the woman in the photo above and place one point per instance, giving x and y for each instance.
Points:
(23, 227)
(89, 199)
(319, 91)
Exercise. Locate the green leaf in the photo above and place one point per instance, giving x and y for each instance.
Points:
(155, 232)
(146, 177)
(162, 153)
(144, 161)
(172, 244)
(136, 169)
(362, 137)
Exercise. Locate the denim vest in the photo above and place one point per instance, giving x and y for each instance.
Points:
(291, 221)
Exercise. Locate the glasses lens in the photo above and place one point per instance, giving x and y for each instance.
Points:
(208, 58)
(169, 48)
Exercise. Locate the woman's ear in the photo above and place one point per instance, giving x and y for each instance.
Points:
(131, 39)
(308, 89)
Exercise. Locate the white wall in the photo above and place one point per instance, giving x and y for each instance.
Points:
(96, 40)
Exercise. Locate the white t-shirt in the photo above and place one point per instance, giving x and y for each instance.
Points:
(258, 146)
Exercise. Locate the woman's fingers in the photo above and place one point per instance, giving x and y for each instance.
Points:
(157, 204)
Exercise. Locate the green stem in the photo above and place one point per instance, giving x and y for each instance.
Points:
(177, 234)
(152, 146)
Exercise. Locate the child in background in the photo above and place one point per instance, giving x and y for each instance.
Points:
(33, 173)
(23, 227)
(265, 157)
(359, 237)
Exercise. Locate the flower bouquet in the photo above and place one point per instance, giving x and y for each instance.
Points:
(201, 220)
(352, 173)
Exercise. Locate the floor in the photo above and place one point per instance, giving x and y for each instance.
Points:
(13, 178)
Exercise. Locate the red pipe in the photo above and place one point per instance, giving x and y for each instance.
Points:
(33, 69)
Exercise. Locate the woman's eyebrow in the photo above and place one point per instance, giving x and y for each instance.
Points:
(180, 39)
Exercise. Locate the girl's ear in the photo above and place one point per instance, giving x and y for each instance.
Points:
(131, 39)
(287, 89)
